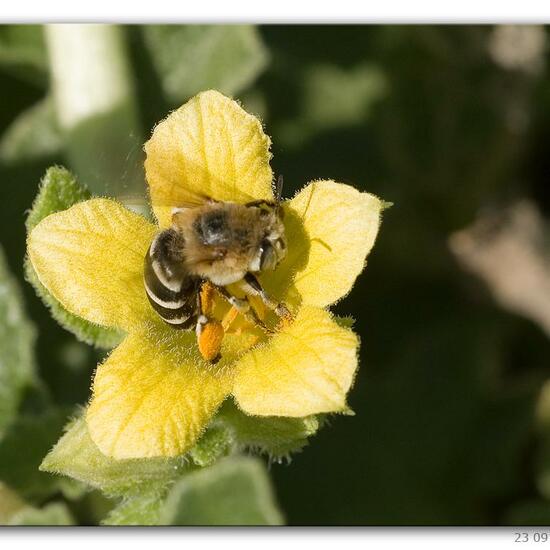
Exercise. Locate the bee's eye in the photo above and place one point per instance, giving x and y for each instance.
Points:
(268, 257)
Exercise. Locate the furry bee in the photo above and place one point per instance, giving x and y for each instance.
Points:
(216, 243)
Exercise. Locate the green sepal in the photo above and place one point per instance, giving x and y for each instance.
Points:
(218, 441)
(76, 455)
(58, 191)
(233, 491)
(232, 431)
(345, 322)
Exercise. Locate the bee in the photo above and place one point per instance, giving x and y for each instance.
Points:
(210, 246)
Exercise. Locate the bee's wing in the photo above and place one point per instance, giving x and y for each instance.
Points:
(178, 194)
(198, 185)
(142, 201)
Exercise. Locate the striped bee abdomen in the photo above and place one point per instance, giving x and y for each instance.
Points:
(171, 290)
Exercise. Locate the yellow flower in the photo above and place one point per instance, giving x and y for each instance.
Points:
(155, 394)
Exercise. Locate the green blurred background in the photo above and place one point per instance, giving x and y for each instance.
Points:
(452, 125)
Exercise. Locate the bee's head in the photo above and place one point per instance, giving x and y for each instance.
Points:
(272, 246)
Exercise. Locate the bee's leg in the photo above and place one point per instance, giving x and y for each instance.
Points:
(202, 319)
(254, 287)
(229, 318)
(209, 331)
(243, 307)
(204, 308)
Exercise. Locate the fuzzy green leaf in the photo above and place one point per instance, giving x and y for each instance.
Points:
(58, 191)
(23, 52)
(234, 491)
(17, 335)
(33, 134)
(143, 509)
(232, 430)
(276, 437)
(192, 58)
(77, 456)
(55, 513)
(28, 439)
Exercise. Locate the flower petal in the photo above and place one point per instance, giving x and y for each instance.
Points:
(306, 369)
(209, 147)
(90, 257)
(331, 227)
(154, 395)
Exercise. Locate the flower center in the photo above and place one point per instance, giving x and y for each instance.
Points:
(221, 318)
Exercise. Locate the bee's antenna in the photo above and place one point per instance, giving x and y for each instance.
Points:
(279, 189)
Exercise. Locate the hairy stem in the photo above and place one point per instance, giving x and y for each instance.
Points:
(96, 106)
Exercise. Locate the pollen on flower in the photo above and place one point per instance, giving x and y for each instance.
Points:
(212, 333)
(210, 340)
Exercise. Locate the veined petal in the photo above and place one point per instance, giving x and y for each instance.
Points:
(306, 369)
(154, 395)
(90, 257)
(331, 227)
(208, 147)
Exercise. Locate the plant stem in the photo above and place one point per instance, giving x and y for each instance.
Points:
(96, 106)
